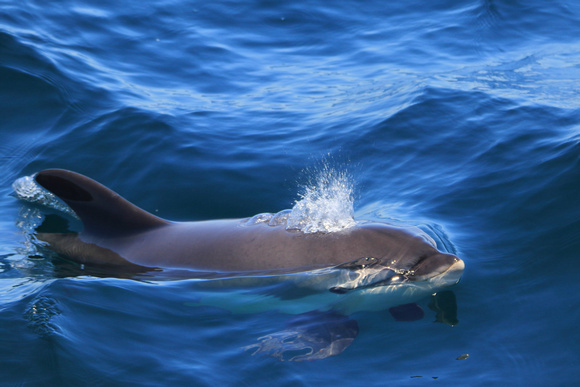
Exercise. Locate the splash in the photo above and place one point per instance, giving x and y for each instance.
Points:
(326, 203)
(26, 188)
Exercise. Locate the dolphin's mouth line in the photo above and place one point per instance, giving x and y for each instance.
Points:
(396, 276)
(397, 279)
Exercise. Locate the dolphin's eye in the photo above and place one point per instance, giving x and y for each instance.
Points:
(339, 290)
(422, 258)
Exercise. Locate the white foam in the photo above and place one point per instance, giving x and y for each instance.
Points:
(28, 190)
(326, 203)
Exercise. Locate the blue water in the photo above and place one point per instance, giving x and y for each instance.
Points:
(461, 117)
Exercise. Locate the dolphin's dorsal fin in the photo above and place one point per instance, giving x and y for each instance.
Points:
(102, 211)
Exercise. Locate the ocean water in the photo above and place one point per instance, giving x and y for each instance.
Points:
(459, 117)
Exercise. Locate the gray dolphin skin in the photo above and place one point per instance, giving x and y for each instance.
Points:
(119, 234)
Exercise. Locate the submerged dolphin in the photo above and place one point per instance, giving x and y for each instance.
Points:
(118, 233)
(370, 266)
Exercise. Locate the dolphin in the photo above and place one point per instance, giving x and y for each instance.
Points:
(116, 233)
(370, 266)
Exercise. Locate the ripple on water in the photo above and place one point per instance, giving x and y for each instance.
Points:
(39, 314)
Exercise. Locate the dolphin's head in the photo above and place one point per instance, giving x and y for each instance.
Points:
(438, 270)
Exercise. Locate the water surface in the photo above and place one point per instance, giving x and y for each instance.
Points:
(457, 117)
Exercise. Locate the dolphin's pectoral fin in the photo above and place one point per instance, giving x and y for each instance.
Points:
(310, 336)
